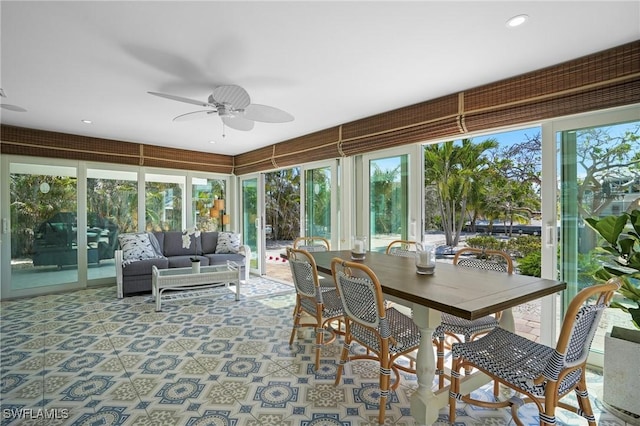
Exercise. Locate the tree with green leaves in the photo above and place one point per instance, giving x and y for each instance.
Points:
(384, 186)
(282, 189)
(452, 168)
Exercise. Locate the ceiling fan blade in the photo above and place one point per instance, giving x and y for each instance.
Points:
(266, 114)
(238, 123)
(232, 95)
(15, 108)
(181, 99)
(195, 115)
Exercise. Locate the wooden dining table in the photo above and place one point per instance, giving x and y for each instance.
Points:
(465, 292)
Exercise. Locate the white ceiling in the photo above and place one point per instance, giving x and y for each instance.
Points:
(325, 62)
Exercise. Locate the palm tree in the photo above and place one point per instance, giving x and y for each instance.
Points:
(453, 169)
(383, 186)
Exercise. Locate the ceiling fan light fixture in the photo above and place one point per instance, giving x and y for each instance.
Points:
(517, 20)
(233, 105)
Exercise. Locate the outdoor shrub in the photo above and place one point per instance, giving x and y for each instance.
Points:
(531, 264)
(486, 242)
(524, 245)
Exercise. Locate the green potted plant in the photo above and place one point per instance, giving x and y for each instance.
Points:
(621, 373)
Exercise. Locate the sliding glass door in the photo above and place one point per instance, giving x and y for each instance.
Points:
(252, 212)
(599, 176)
(46, 245)
(112, 202)
(320, 202)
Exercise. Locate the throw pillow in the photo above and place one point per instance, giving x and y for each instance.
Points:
(228, 242)
(136, 247)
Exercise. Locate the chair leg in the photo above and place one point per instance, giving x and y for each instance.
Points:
(440, 361)
(385, 378)
(550, 402)
(297, 314)
(319, 342)
(454, 390)
(583, 400)
(346, 348)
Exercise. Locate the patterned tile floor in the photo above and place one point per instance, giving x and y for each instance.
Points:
(88, 358)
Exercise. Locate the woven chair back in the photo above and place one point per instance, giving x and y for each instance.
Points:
(402, 248)
(360, 292)
(490, 260)
(311, 244)
(303, 272)
(580, 325)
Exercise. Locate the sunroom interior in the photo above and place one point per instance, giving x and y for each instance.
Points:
(162, 188)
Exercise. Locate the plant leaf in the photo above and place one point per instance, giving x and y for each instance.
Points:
(635, 314)
(634, 217)
(609, 227)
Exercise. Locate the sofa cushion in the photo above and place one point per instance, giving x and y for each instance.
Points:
(228, 242)
(138, 246)
(185, 261)
(221, 259)
(209, 241)
(160, 238)
(143, 267)
(173, 244)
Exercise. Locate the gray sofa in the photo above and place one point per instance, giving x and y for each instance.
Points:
(135, 277)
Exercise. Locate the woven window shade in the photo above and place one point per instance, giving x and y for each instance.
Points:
(413, 115)
(156, 156)
(603, 97)
(23, 141)
(41, 143)
(313, 147)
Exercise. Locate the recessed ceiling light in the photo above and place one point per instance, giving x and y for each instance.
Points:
(86, 121)
(517, 20)
(212, 141)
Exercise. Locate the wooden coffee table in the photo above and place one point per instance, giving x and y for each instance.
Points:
(185, 279)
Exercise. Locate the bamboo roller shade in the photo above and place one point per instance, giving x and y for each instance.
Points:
(602, 80)
(40, 143)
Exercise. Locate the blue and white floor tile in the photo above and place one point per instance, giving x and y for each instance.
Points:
(87, 358)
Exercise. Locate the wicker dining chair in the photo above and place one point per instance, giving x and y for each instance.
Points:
(453, 326)
(543, 374)
(403, 248)
(311, 244)
(314, 244)
(323, 306)
(386, 333)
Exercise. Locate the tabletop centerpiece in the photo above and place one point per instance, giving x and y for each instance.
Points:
(186, 243)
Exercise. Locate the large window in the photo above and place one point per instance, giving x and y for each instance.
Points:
(485, 192)
(210, 212)
(318, 196)
(64, 218)
(164, 202)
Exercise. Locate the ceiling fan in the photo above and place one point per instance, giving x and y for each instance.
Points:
(233, 105)
(14, 108)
